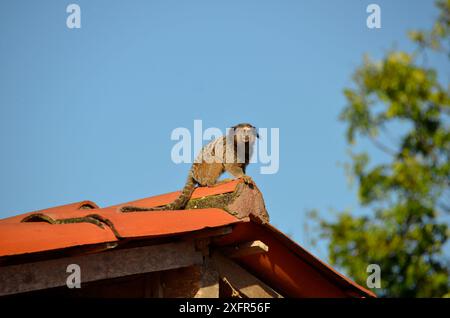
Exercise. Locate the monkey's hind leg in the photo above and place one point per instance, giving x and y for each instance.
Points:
(207, 174)
(236, 171)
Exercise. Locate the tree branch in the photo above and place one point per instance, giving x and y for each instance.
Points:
(382, 147)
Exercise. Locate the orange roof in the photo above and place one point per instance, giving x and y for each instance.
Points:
(20, 238)
(287, 265)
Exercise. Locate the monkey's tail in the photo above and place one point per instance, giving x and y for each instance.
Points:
(179, 202)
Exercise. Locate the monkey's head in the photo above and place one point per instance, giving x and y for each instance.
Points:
(245, 133)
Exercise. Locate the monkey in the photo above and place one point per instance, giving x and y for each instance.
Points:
(230, 153)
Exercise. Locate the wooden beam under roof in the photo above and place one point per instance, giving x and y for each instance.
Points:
(111, 264)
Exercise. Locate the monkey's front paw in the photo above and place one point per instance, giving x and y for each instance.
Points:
(247, 179)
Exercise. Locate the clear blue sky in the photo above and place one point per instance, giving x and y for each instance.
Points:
(87, 113)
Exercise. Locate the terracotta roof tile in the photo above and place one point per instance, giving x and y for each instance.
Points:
(198, 193)
(61, 211)
(24, 238)
(164, 223)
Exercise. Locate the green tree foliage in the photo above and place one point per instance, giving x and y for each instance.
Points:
(407, 192)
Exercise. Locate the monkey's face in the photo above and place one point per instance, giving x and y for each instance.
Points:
(245, 133)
